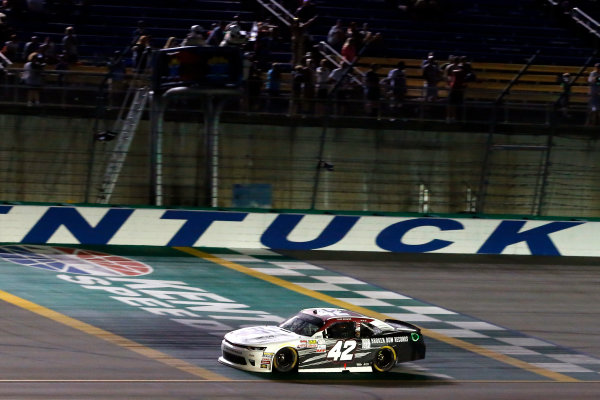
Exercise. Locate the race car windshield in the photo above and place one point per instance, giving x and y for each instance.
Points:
(302, 325)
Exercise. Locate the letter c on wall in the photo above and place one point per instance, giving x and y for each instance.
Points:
(391, 237)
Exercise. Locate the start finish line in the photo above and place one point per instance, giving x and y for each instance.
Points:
(207, 228)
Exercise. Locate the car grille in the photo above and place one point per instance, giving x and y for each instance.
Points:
(234, 358)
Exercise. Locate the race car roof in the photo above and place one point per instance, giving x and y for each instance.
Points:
(332, 313)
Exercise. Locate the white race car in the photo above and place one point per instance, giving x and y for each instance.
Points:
(324, 340)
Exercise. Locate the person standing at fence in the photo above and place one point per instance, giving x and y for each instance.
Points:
(33, 77)
(342, 86)
(432, 76)
(273, 86)
(372, 90)
(593, 118)
(457, 84)
(70, 44)
(141, 54)
(336, 36)
(396, 81)
(299, 34)
(322, 85)
(12, 48)
(31, 47)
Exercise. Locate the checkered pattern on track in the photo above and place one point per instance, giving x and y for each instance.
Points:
(398, 306)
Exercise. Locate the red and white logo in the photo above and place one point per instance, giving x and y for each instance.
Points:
(73, 261)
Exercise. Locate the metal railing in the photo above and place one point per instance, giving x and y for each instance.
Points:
(584, 20)
(71, 90)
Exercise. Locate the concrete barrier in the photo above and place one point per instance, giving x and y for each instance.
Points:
(45, 224)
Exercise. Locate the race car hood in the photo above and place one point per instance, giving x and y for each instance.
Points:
(257, 335)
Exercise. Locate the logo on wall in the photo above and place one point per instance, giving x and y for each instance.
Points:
(73, 261)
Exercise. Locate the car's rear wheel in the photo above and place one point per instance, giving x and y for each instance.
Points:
(385, 359)
(285, 360)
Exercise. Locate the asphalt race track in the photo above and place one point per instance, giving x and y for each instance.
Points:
(146, 323)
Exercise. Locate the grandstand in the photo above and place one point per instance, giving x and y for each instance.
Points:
(486, 31)
(514, 95)
(498, 36)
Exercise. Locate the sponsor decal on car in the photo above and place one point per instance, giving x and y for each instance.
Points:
(368, 343)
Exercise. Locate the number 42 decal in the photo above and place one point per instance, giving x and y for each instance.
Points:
(342, 350)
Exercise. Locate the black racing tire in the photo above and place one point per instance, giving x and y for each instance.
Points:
(285, 360)
(385, 359)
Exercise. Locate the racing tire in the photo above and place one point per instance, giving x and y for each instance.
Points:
(285, 360)
(385, 359)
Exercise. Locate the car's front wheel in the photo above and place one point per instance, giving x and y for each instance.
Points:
(385, 359)
(285, 360)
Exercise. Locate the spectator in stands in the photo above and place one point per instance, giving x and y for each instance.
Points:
(349, 50)
(273, 86)
(141, 54)
(116, 76)
(33, 78)
(298, 82)
(31, 47)
(234, 36)
(396, 82)
(140, 30)
(12, 49)
(372, 90)
(336, 36)
(3, 72)
(299, 38)
(61, 66)
(308, 92)
(171, 43)
(365, 34)
(457, 86)
(70, 45)
(263, 43)
(448, 66)
(342, 86)
(195, 36)
(470, 74)
(5, 30)
(430, 56)
(48, 49)
(14, 8)
(322, 85)
(217, 35)
(354, 33)
(432, 76)
(593, 118)
(254, 84)
(563, 101)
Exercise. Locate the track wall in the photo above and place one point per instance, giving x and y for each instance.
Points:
(44, 224)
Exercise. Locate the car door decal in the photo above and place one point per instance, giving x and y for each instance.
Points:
(343, 350)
